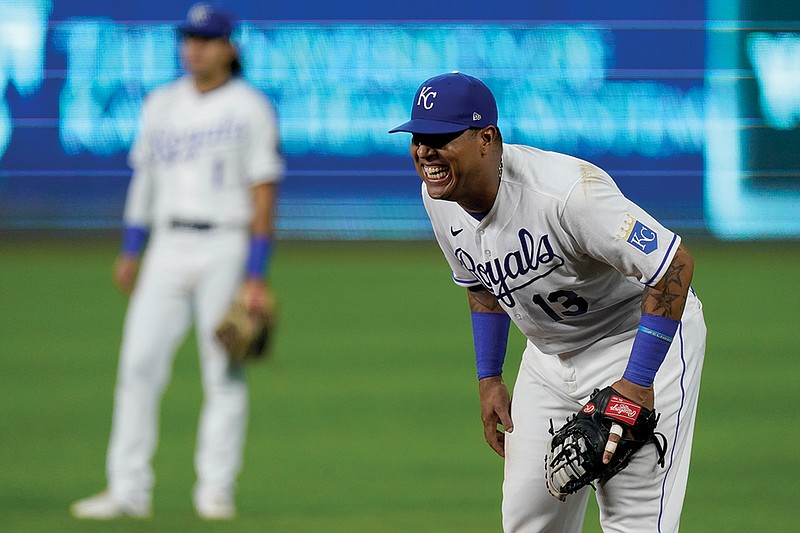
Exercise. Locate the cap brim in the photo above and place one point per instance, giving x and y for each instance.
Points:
(189, 31)
(430, 127)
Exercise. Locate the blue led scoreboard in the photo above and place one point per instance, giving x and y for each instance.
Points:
(691, 106)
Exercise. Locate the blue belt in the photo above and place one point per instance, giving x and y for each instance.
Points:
(191, 224)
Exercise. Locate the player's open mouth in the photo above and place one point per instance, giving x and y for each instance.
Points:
(436, 172)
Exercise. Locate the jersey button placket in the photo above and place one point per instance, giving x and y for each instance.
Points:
(479, 242)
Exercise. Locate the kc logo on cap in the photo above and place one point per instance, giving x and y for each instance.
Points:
(205, 20)
(424, 94)
(198, 14)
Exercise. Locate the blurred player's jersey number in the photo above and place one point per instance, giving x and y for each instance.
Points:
(218, 173)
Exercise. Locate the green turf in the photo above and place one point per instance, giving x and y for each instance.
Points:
(367, 417)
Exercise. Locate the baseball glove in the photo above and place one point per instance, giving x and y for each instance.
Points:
(575, 457)
(244, 335)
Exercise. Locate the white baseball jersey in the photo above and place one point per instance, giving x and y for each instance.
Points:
(198, 154)
(564, 252)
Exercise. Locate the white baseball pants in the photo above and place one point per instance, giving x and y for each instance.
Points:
(644, 496)
(186, 275)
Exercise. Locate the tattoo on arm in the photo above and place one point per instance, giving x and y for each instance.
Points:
(660, 302)
(668, 297)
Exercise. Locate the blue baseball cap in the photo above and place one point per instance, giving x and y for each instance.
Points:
(450, 103)
(206, 20)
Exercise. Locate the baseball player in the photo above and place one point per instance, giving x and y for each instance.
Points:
(598, 286)
(206, 166)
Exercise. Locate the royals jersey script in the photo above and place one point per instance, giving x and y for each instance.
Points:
(203, 151)
(564, 252)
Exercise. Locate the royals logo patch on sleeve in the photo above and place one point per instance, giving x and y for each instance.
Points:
(637, 235)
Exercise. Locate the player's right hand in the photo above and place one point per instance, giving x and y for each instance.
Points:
(126, 268)
(495, 409)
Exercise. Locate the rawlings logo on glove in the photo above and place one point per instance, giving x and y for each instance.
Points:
(575, 456)
(623, 410)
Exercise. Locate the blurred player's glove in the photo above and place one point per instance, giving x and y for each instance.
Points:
(575, 457)
(245, 335)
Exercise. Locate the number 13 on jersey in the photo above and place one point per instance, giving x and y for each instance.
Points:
(561, 304)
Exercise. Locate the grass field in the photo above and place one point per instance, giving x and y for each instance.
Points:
(366, 419)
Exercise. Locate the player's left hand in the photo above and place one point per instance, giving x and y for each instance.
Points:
(578, 452)
(246, 329)
(255, 295)
(495, 409)
(644, 396)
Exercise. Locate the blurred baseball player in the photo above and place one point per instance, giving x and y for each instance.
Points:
(206, 167)
(599, 288)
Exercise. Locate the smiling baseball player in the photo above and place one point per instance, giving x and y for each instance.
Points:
(615, 336)
(206, 165)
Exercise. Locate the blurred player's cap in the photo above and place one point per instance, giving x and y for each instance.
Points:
(206, 20)
(449, 103)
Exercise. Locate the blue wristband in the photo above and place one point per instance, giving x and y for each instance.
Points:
(258, 256)
(133, 238)
(650, 347)
(490, 332)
